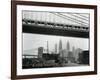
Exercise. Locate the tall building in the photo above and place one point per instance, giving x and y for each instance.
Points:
(55, 48)
(60, 48)
(84, 57)
(73, 51)
(77, 52)
(47, 47)
(68, 46)
(40, 52)
(70, 56)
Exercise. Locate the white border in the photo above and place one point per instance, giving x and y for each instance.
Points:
(20, 71)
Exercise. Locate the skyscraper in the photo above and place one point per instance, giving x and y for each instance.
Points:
(55, 48)
(68, 46)
(73, 51)
(40, 52)
(47, 48)
(60, 48)
(70, 53)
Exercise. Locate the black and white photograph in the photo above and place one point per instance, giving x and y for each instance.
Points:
(55, 39)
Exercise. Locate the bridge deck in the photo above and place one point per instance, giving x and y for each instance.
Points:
(54, 31)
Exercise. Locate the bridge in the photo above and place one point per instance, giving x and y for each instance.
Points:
(56, 23)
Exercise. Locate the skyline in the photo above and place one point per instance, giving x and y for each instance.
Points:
(33, 41)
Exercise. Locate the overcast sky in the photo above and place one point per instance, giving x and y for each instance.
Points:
(31, 42)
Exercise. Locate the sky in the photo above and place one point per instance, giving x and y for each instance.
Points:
(31, 42)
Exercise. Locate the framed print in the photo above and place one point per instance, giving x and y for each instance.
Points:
(53, 39)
